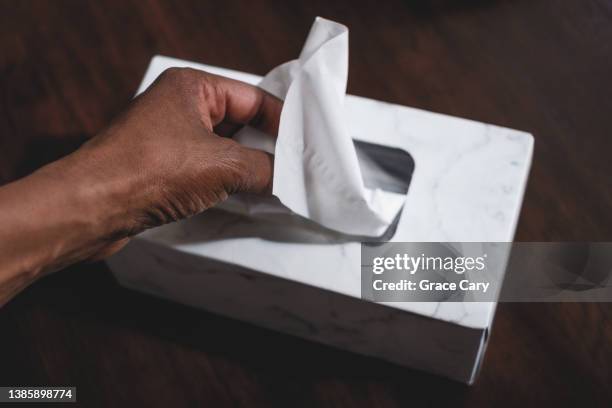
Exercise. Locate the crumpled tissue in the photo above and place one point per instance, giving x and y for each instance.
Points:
(317, 174)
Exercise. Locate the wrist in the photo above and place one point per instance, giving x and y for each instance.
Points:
(95, 196)
(66, 214)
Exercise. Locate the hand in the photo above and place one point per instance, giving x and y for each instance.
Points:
(164, 157)
(158, 162)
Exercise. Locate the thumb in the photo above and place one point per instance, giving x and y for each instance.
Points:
(258, 168)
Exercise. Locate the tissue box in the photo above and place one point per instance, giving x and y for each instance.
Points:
(467, 185)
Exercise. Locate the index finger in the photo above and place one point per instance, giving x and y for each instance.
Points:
(240, 103)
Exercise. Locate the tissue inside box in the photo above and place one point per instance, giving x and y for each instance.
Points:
(385, 168)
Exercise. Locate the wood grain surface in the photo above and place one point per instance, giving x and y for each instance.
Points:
(67, 67)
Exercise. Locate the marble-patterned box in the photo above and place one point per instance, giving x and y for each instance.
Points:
(468, 185)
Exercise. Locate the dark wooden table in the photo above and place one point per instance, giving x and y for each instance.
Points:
(67, 67)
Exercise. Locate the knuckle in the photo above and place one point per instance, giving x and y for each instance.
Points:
(184, 78)
(234, 163)
(171, 74)
(175, 73)
(231, 149)
(197, 84)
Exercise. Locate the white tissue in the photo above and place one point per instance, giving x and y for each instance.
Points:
(316, 171)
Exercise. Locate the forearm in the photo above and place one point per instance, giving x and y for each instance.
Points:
(158, 162)
(53, 218)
